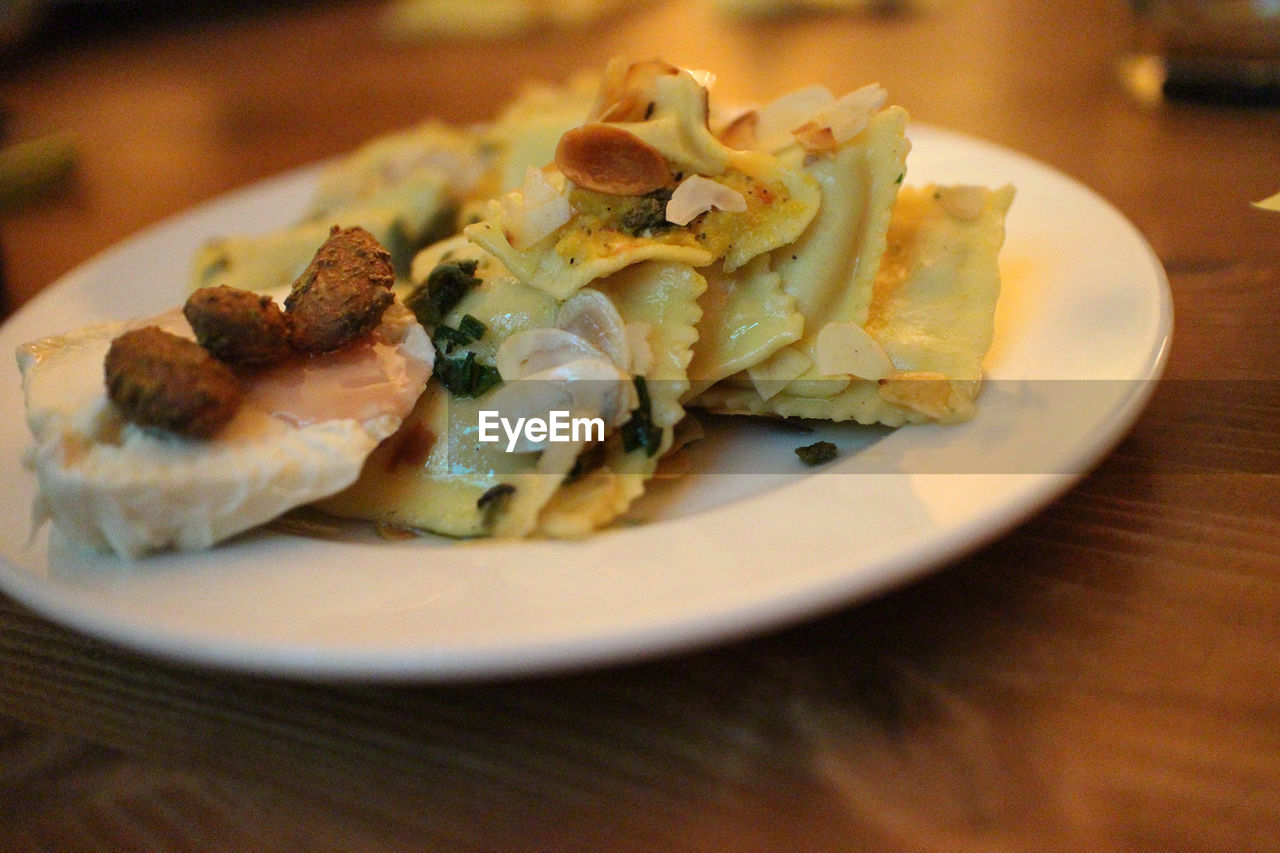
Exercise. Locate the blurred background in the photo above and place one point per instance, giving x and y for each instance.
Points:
(141, 109)
(158, 105)
(1102, 679)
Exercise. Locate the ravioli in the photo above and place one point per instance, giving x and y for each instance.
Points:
(433, 474)
(613, 256)
(408, 189)
(932, 311)
(809, 281)
(610, 231)
(662, 299)
(437, 475)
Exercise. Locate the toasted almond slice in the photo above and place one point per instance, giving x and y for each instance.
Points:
(591, 315)
(538, 210)
(815, 136)
(534, 350)
(627, 89)
(775, 373)
(697, 195)
(586, 387)
(611, 160)
(628, 108)
(741, 133)
(847, 348)
(842, 120)
(777, 119)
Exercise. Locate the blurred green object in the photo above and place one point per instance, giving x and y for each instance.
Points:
(33, 168)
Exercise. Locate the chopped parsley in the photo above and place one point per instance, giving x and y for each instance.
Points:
(460, 373)
(463, 376)
(444, 288)
(817, 453)
(469, 331)
(640, 433)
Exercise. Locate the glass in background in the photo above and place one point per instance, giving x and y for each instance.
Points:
(1212, 51)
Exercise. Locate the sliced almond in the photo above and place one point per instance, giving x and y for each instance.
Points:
(815, 136)
(536, 211)
(627, 89)
(611, 160)
(535, 350)
(591, 315)
(777, 119)
(628, 108)
(774, 374)
(847, 348)
(585, 387)
(696, 195)
(840, 121)
(741, 132)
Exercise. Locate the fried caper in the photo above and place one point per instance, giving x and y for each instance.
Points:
(159, 379)
(343, 292)
(237, 326)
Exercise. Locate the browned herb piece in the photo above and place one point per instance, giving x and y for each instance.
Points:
(159, 379)
(237, 326)
(342, 294)
(818, 453)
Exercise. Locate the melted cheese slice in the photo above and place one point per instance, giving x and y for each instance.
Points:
(301, 434)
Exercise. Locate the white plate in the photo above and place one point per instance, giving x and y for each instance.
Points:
(749, 540)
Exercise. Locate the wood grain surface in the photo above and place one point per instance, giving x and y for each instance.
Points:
(1104, 678)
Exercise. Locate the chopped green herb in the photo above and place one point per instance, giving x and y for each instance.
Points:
(640, 432)
(471, 327)
(817, 453)
(463, 376)
(469, 331)
(444, 288)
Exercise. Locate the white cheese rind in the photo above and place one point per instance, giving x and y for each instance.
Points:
(114, 486)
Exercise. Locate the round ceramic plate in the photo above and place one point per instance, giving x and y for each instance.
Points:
(749, 539)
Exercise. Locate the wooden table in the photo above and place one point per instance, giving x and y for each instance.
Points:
(1106, 677)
